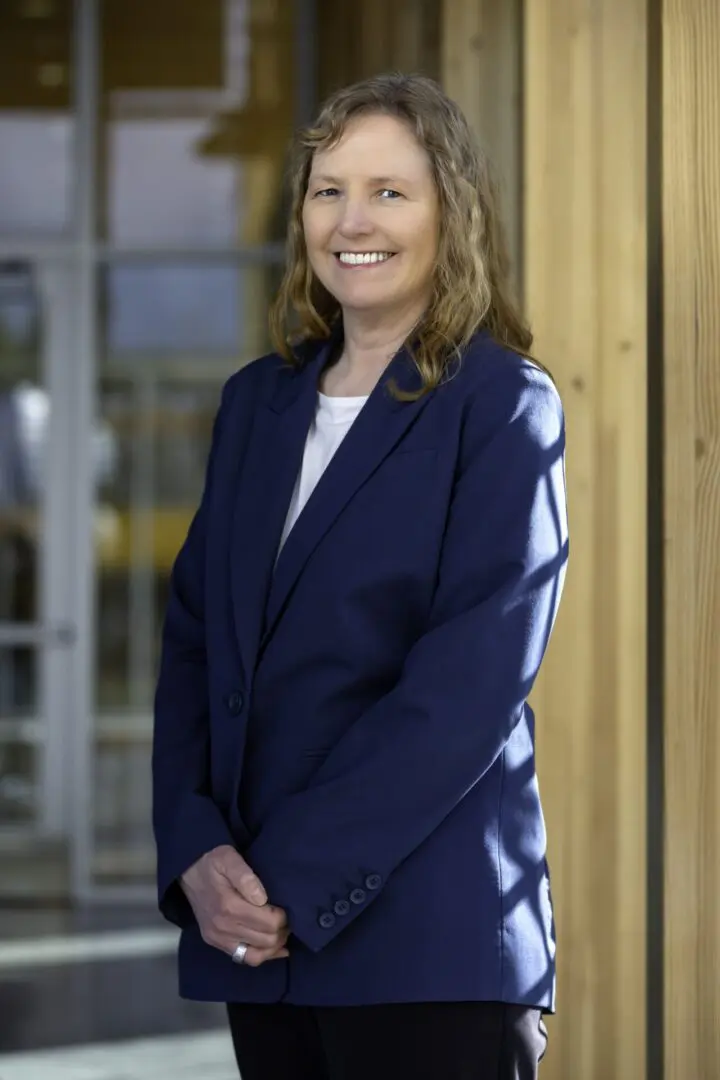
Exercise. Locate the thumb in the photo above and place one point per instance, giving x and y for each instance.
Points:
(242, 878)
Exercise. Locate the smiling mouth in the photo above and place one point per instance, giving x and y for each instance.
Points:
(363, 258)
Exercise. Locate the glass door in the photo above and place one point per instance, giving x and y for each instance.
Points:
(188, 227)
(37, 630)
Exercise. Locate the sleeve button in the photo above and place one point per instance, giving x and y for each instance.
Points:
(327, 920)
(341, 907)
(234, 703)
(373, 881)
(358, 896)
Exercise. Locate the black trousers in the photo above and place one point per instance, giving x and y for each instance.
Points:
(433, 1041)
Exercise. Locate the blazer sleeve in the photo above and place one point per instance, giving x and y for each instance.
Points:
(405, 764)
(186, 821)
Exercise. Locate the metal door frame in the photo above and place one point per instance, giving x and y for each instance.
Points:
(64, 269)
(52, 633)
(68, 269)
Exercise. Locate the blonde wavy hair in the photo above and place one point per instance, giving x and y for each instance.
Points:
(471, 287)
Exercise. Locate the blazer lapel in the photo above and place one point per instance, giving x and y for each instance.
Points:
(378, 428)
(267, 478)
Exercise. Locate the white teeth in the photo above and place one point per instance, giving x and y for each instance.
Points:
(353, 258)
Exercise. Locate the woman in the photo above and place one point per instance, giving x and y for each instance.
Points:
(346, 809)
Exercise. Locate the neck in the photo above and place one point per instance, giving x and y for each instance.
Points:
(370, 342)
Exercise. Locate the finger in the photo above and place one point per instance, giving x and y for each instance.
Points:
(268, 919)
(242, 878)
(256, 957)
(230, 930)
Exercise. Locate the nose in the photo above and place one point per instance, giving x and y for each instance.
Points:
(355, 220)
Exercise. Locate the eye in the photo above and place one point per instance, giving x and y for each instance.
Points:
(389, 194)
(326, 192)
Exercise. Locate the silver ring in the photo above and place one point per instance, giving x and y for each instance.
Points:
(240, 953)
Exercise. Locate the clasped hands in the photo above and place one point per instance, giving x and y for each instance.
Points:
(231, 906)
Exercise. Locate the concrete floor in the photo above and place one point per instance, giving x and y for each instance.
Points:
(93, 996)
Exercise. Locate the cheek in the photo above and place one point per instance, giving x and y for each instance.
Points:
(427, 247)
(313, 253)
(317, 232)
(309, 232)
(315, 225)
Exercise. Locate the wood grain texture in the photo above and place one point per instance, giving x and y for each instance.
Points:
(480, 65)
(585, 288)
(356, 40)
(691, 217)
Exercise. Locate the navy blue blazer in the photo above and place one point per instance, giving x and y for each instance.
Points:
(354, 718)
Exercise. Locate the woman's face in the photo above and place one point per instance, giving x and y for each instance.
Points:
(371, 219)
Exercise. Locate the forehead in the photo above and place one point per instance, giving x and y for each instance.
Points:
(377, 145)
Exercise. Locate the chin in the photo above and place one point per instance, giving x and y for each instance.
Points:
(366, 307)
(364, 299)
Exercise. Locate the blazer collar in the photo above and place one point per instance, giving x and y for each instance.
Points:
(260, 587)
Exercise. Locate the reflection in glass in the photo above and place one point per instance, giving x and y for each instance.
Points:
(161, 192)
(172, 335)
(198, 107)
(123, 848)
(192, 312)
(36, 126)
(162, 428)
(177, 309)
(35, 171)
(17, 750)
(23, 431)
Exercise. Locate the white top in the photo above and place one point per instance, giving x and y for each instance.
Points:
(334, 416)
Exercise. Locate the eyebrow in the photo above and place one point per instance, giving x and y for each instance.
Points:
(324, 179)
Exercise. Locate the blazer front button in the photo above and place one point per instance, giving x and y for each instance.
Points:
(357, 896)
(373, 881)
(341, 907)
(235, 703)
(327, 920)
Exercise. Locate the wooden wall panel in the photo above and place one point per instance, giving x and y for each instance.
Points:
(691, 226)
(480, 65)
(585, 289)
(356, 40)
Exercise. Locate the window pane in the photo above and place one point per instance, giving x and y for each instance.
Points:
(123, 850)
(197, 112)
(174, 308)
(160, 191)
(161, 429)
(18, 735)
(24, 414)
(195, 310)
(36, 126)
(172, 335)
